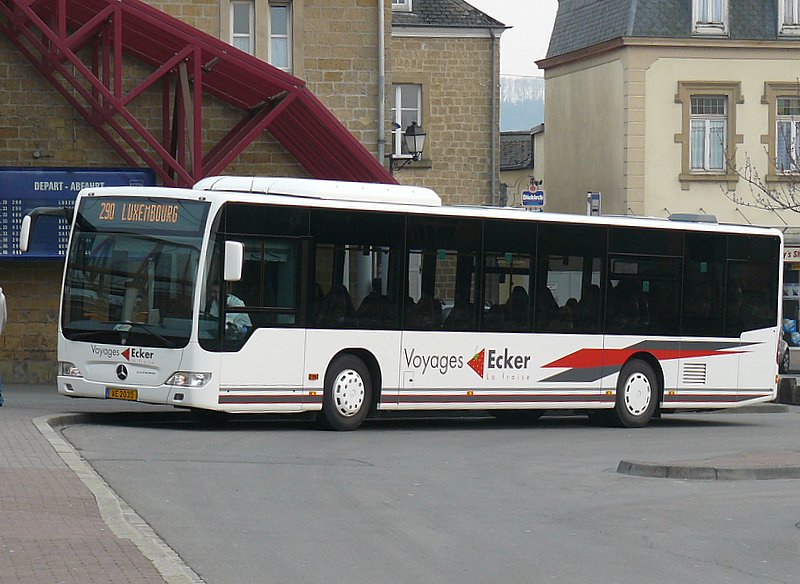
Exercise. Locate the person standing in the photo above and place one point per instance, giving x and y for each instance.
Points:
(3, 316)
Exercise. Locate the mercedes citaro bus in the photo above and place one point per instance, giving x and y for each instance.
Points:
(258, 294)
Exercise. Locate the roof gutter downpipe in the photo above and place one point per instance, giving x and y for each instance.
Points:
(494, 116)
(381, 83)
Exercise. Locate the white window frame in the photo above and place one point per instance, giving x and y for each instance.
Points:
(710, 17)
(287, 38)
(401, 5)
(789, 17)
(250, 36)
(787, 125)
(398, 108)
(709, 124)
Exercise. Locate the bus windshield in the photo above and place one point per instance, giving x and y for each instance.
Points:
(131, 271)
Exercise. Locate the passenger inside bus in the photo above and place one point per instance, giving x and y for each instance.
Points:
(375, 310)
(337, 308)
(517, 309)
(461, 316)
(426, 314)
(235, 322)
(588, 308)
(546, 309)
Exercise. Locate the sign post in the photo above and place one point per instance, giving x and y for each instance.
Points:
(593, 208)
(533, 197)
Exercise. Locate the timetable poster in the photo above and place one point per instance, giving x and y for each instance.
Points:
(23, 189)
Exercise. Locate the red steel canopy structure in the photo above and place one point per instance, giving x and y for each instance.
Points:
(79, 46)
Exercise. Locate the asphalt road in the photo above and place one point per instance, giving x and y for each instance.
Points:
(452, 500)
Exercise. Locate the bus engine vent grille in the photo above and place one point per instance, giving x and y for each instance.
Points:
(694, 373)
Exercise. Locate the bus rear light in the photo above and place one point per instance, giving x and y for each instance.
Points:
(68, 369)
(189, 379)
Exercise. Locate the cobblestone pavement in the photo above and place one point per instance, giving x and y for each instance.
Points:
(53, 528)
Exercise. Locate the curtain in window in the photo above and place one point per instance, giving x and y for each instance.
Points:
(709, 10)
(698, 145)
(790, 12)
(707, 145)
(279, 36)
(787, 146)
(241, 24)
(716, 146)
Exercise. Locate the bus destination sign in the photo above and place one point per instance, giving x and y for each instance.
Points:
(124, 213)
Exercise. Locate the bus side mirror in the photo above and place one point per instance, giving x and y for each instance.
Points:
(29, 222)
(234, 259)
(25, 234)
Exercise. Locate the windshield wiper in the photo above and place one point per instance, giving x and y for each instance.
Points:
(126, 326)
(86, 334)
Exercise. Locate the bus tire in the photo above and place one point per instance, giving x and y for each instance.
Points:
(637, 394)
(347, 395)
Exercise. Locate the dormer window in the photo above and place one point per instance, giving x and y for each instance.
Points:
(710, 17)
(789, 17)
(401, 5)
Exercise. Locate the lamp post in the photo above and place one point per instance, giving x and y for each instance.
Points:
(414, 140)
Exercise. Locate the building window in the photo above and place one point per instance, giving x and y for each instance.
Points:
(401, 5)
(708, 126)
(406, 108)
(782, 143)
(262, 29)
(787, 148)
(708, 134)
(280, 42)
(242, 26)
(711, 17)
(789, 17)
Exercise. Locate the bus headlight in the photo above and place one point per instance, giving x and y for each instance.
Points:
(189, 379)
(68, 369)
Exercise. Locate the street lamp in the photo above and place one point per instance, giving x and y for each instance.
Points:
(414, 140)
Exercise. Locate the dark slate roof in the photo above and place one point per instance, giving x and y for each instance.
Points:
(516, 150)
(583, 23)
(444, 13)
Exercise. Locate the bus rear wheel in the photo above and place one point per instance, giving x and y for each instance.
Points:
(347, 395)
(637, 394)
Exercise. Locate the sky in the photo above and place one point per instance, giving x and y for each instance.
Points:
(526, 42)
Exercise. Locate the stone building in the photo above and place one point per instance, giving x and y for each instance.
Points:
(370, 62)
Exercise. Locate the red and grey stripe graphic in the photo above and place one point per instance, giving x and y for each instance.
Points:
(269, 398)
(433, 397)
(586, 365)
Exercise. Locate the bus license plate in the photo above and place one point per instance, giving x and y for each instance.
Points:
(126, 394)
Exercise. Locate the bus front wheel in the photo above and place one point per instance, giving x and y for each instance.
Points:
(637, 394)
(347, 395)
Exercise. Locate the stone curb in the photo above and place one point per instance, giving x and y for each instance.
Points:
(697, 472)
(123, 521)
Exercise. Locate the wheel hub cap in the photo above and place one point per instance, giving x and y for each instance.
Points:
(637, 394)
(348, 392)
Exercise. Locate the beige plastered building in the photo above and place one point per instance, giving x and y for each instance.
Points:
(619, 106)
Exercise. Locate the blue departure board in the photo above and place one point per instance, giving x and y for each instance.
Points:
(22, 189)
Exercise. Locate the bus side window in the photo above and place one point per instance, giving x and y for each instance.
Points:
(569, 278)
(507, 290)
(442, 273)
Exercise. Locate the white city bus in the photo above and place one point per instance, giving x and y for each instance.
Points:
(348, 299)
